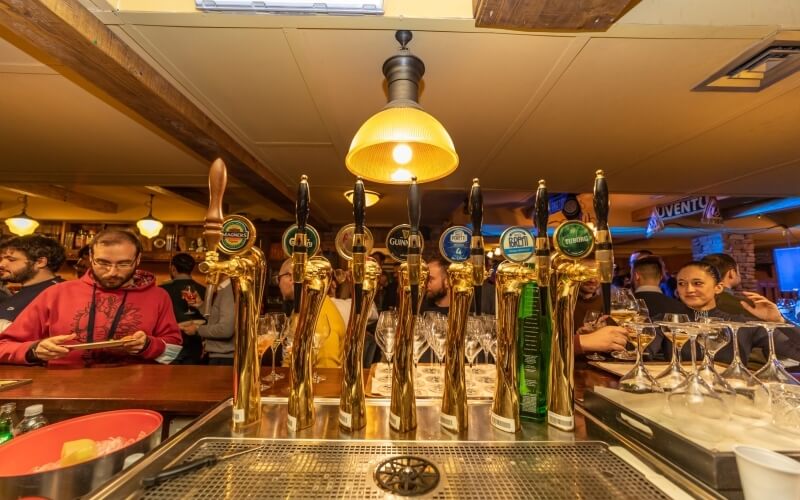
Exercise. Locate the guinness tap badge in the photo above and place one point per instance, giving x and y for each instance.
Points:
(397, 242)
(312, 240)
(237, 235)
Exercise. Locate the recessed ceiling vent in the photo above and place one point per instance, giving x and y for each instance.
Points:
(756, 69)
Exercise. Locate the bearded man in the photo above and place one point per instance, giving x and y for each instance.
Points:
(113, 301)
(32, 262)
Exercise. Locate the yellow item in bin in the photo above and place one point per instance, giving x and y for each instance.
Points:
(75, 452)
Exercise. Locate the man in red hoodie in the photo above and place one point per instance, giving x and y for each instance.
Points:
(113, 300)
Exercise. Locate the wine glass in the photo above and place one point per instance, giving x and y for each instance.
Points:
(277, 321)
(488, 336)
(189, 295)
(715, 338)
(265, 337)
(639, 380)
(385, 332)
(472, 346)
(624, 309)
(752, 397)
(773, 371)
(420, 343)
(592, 320)
(674, 374)
(694, 397)
(437, 339)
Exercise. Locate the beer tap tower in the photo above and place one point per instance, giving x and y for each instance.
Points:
(235, 236)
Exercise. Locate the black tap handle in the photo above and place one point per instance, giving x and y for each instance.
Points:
(302, 204)
(541, 210)
(414, 205)
(359, 205)
(601, 201)
(476, 207)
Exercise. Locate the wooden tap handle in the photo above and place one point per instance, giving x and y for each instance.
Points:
(217, 181)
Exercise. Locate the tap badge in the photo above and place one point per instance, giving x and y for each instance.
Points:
(397, 242)
(517, 244)
(574, 239)
(454, 243)
(344, 241)
(312, 240)
(238, 235)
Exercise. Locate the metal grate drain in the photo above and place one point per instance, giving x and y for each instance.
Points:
(407, 476)
(472, 470)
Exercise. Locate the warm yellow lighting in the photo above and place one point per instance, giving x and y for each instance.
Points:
(396, 134)
(370, 197)
(22, 224)
(402, 154)
(149, 226)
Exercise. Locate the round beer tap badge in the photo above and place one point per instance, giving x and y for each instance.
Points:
(397, 242)
(312, 240)
(238, 235)
(344, 241)
(574, 239)
(517, 244)
(454, 243)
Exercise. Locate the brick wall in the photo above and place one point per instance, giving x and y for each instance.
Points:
(738, 246)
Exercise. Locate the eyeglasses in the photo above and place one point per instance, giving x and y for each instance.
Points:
(122, 266)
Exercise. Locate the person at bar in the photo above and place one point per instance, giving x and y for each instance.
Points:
(699, 284)
(180, 270)
(217, 334)
(113, 300)
(32, 261)
(82, 264)
(646, 274)
(730, 278)
(330, 353)
(437, 292)
(606, 338)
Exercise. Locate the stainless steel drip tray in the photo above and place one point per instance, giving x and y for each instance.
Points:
(295, 468)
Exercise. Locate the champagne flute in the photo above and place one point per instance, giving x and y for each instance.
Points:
(674, 374)
(472, 346)
(624, 309)
(385, 332)
(265, 337)
(279, 323)
(592, 320)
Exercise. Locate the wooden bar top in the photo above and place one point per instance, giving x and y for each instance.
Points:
(172, 389)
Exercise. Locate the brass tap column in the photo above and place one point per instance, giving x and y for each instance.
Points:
(235, 236)
(411, 292)
(510, 278)
(454, 415)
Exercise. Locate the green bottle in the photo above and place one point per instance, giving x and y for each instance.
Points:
(533, 346)
(6, 422)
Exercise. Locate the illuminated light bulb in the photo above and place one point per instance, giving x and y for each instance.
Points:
(401, 175)
(402, 154)
(21, 225)
(149, 227)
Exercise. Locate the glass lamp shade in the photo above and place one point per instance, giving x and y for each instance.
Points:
(370, 197)
(399, 143)
(21, 224)
(149, 226)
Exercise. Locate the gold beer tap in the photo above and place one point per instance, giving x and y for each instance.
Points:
(466, 283)
(510, 279)
(311, 277)
(411, 288)
(574, 241)
(365, 275)
(604, 252)
(246, 267)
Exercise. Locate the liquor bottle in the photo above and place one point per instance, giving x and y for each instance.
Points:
(533, 337)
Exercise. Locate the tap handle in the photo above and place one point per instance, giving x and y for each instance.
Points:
(414, 205)
(541, 210)
(300, 250)
(476, 207)
(217, 181)
(359, 206)
(302, 204)
(601, 201)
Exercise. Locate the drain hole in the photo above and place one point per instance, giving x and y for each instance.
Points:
(407, 476)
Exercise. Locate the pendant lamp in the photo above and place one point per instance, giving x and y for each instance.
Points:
(149, 226)
(22, 224)
(402, 141)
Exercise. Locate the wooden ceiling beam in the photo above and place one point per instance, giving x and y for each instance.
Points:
(59, 193)
(194, 196)
(583, 15)
(70, 34)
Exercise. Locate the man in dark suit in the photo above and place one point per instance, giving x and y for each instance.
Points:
(730, 278)
(646, 275)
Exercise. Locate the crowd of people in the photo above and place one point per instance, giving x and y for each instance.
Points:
(113, 299)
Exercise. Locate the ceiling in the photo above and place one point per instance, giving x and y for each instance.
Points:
(520, 106)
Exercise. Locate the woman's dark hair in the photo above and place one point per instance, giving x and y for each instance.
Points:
(705, 266)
